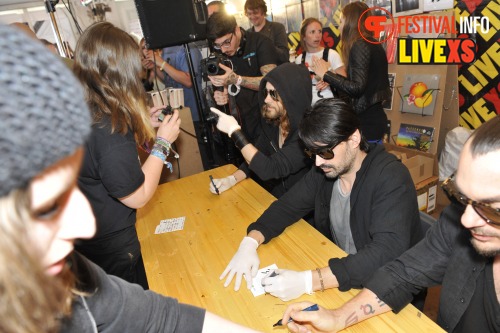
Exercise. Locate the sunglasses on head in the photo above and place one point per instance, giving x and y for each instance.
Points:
(484, 210)
(325, 153)
(273, 93)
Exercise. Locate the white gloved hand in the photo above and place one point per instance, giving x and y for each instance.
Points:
(226, 123)
(287, 284)
(222, 184)
(245, 262)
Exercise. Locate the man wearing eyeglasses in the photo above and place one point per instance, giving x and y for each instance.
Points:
(252, 56)
(363, 198)
(461, 252)
(276, 160)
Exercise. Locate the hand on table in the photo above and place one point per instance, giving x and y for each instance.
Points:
(226, 123)
(321, 321)
(222, 184)
(287, 284)
(245, 262)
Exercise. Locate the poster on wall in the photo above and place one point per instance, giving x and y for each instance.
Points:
(430, 5)
(329, 12)
(479, 98)
(294, 17)
(377, 4)
(419, 93)
(407, 7)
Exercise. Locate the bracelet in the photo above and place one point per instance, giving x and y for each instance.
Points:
(239, 139)
(162, 64)
(320, 279)
(164, 143)
(239, 81)
(230, 89)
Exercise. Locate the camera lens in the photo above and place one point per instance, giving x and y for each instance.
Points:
(212, 68)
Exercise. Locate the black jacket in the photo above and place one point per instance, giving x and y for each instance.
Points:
(278, 169)
(367, 81)
(276, 32)
(384, 217)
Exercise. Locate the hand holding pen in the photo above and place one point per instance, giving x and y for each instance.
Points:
(313, 307)
(217, 186)
(317, 319)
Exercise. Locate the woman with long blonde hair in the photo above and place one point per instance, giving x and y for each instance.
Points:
(108, 64)
(367, 82)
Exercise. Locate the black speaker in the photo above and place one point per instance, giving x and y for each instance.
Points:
(172, 22)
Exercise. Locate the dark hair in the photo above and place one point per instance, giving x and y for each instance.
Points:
(486, 138)
(330, 121)
(350, 32)
(220, 24)
(256, 4)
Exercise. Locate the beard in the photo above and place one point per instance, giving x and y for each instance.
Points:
(483, 248)
(344, 166)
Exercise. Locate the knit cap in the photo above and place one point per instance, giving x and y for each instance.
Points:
(43, 114)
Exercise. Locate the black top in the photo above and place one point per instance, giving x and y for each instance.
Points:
(110, 170)
(483, 312)
(258, 51)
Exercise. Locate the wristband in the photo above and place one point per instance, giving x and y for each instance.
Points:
(239, 139)
(162, 64)
(238, 82)
(230, 89)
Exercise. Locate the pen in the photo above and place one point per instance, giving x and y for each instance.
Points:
(215, 187)
(313, 307)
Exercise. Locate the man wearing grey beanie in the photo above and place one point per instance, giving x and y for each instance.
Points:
(45, 286)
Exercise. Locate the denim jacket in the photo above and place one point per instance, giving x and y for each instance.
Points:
(445, 256)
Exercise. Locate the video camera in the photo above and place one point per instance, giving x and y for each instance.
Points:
(210, 65)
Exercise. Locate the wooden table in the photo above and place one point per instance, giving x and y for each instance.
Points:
(187, 264)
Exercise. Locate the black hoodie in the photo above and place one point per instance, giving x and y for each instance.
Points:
(277, 170)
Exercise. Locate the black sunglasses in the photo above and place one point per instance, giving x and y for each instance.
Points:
(485, 211)
(273, 93)
(325, 153)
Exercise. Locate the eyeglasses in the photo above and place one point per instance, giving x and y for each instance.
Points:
(273, 93)
(325, 153)
(485, 211)
(225, 43)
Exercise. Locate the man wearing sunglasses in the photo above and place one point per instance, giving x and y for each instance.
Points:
(461, 252)
(363, 198)
(277, 158)
(252, 56)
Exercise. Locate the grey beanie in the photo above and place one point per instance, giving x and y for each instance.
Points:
(43, 113)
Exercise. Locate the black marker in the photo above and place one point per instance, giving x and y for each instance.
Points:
(313, 307)
(215, 187)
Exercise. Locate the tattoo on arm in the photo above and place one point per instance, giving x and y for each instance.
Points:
(253, 82)
(380, 302)
(352, 319)
(367, 309)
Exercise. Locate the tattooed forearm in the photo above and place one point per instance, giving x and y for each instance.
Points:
(351, 320)
(380, 302)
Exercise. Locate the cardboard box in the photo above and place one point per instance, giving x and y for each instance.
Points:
(427, 194)
(421, 165)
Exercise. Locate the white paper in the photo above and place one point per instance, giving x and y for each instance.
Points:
(170, 225)
(257, 288)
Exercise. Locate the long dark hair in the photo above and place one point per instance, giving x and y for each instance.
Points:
(352, 15)
(330, 121)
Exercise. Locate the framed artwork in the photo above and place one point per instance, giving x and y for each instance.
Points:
(431, 5)
(311, 8)
(388, 103)
(329, 12)
(419, 93)
(386, 4)
(407, 7)
(415, 137)
(294, 17)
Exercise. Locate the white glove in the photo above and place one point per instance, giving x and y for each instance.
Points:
(287, 284)
(222, 184)
(245, 262)
(226, 123)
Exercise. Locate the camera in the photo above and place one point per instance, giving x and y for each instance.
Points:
(165, 111)
(210, 65)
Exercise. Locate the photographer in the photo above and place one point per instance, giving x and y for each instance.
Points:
(252, 56)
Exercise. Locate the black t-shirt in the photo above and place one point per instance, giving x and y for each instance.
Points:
(483, 313)
(111, 169)
(258, 51)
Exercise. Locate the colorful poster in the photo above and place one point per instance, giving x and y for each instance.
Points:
(478, 82)
(419, 93)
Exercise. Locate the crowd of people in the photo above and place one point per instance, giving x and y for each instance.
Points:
(308, 131)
